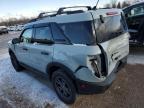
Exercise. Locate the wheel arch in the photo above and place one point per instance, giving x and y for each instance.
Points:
(52, 67)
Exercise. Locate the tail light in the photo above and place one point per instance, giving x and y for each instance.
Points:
(94, 64)
(95, 67)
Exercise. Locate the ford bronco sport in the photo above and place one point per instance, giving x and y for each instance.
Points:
(80, 51)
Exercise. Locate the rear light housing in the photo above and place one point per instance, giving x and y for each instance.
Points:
(94, 64)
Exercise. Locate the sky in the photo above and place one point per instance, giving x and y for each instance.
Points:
(29, 8)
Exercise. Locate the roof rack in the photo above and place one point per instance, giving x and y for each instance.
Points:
(59, 12)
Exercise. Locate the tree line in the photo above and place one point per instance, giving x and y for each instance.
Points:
(15, 21)
(116, 4)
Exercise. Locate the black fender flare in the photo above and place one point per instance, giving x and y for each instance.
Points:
(53, 66)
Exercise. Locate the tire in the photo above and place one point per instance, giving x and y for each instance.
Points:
(64, 87)
(15, 63)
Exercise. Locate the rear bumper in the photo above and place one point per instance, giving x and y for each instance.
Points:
(84, 87)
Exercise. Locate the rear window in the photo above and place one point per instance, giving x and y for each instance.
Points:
(79, 32)
(112, 27)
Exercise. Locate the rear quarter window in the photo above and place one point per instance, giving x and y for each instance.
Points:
(79, 32)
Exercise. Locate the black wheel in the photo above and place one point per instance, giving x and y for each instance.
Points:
(15, 63)
(64, 87)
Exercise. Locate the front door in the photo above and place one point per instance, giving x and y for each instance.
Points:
(22, 50)
(41, 54)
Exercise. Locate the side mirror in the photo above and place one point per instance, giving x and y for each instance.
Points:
(43, 41)
(16, 40)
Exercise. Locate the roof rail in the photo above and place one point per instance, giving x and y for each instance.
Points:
(61, 10)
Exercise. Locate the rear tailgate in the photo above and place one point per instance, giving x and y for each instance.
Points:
(112, 35)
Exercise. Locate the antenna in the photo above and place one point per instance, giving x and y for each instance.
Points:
(96, 5)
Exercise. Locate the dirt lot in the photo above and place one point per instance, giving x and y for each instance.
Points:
(127, 90)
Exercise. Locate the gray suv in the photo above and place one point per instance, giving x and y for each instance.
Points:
(80, 51)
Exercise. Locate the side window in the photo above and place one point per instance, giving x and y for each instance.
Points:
(27, 35)
(136, 11)
(58, 34)
(43, 33)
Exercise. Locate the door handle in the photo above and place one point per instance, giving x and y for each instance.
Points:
(25, 49)
(44, 53)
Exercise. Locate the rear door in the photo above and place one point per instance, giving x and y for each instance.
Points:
(112, 36)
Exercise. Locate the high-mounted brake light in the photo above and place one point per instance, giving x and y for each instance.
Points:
(112, 13)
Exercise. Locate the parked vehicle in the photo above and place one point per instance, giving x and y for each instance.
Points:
(135, 20)
(19, 27)
(12, 28)
(80, 51)
(3, 30)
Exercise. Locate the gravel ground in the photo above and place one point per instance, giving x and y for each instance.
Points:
(125, 92)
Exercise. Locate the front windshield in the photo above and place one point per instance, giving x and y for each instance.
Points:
(79, 32)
